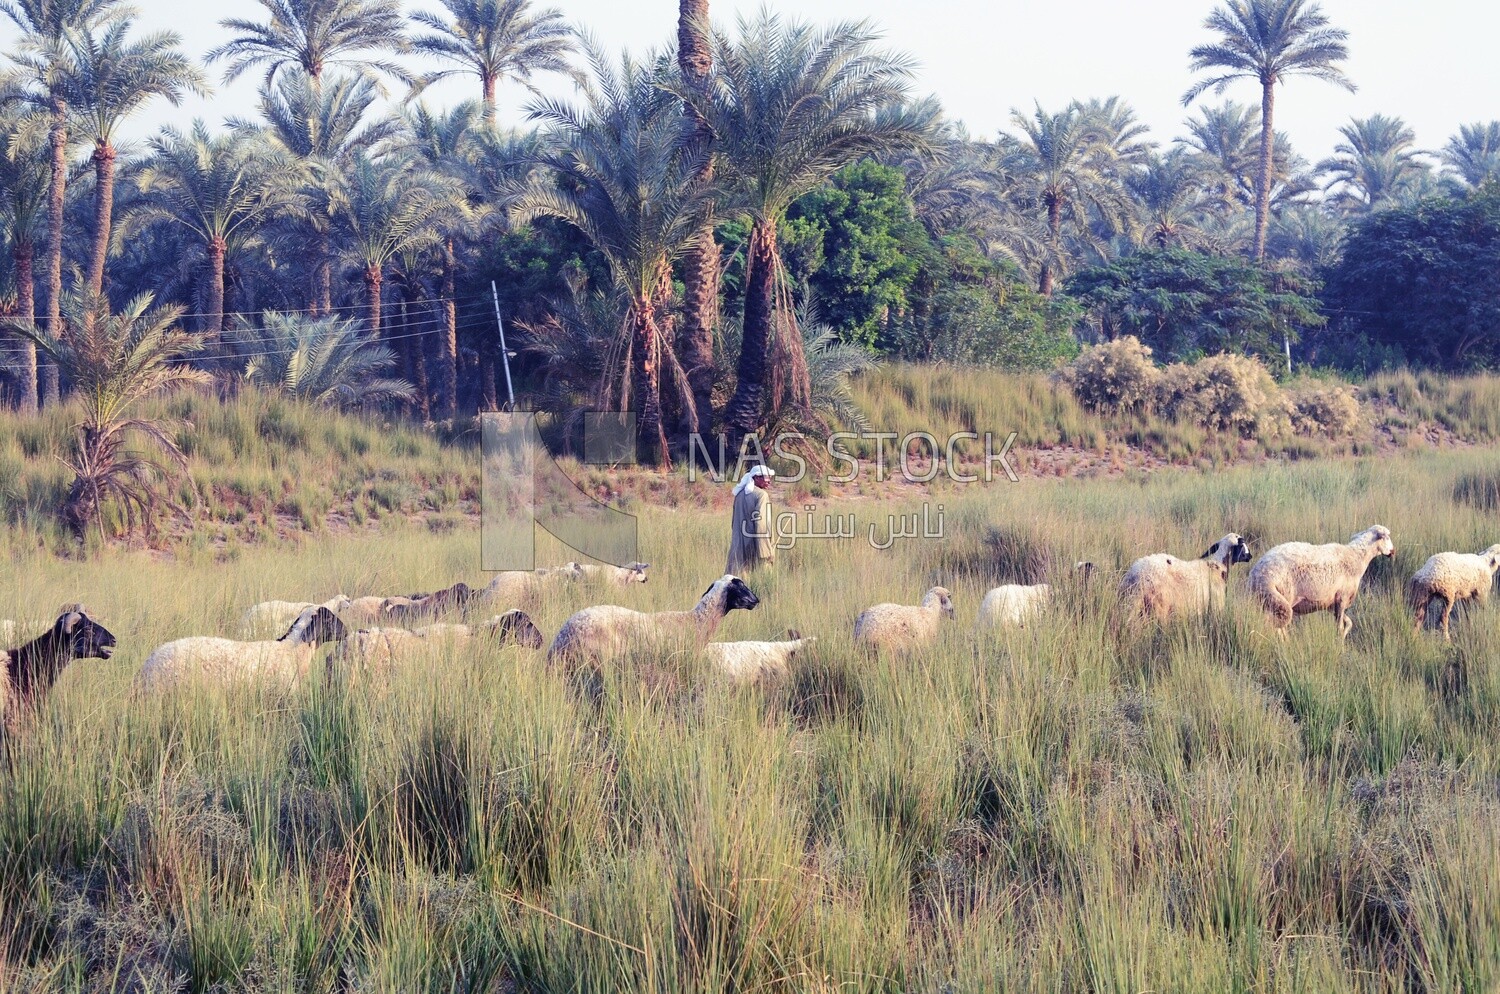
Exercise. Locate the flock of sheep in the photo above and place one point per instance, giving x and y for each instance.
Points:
(1291, 579)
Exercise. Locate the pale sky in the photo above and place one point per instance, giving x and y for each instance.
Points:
(1432, 64)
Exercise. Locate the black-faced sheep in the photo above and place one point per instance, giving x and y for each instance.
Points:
(902, 626)
(227, 660)
(375, 648)
(408, 609)
(275, 616)
(1297, 578)
(30, 670)
(1161, 585)
(599, 633)
(1452, 577)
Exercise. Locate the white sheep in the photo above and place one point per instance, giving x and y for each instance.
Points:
(277, 615)
(1011, 605)
(901, 626)
(598, 633)
(1298, 578)
(227, 660)
(621, 575)
(745, 662)
(379, 647)
(513, 586)
(1161, 585)
(1452, 577)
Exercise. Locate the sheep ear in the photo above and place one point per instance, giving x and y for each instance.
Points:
(1209, 551)
(706, 590)
(793, 635)
(70, 622)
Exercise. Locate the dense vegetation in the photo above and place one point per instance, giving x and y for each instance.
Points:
(661, 241)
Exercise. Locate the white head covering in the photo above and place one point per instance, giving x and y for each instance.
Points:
(748, 480)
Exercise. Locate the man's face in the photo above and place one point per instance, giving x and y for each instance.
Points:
(764, 482)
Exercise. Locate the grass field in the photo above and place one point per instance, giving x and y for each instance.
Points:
(1080, 808)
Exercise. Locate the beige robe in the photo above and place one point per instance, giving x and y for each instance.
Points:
(752, 539)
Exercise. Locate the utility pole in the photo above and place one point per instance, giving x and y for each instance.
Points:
(505, 356)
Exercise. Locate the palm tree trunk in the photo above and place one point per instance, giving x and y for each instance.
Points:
(323, 304)
(373, 279)
(24, 253)
(742, 416)
(1263, 185)
(700, 266)
(104, 205)
(416, 356)
(645, 350)
(487, 88)
(450, 333)
(487, 391)
(215, 327)
(56, 191)
(1054, 228)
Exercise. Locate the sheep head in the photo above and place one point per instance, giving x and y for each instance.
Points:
(942, 597)
(732, 593)
(1229, 550)
(86, 638)
(517, 627)
(1377, 537)
(1492, 557)
(637, 572)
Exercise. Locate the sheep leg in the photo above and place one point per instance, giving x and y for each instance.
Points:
(1341, 613)
(1447, 610)
(1420, 605)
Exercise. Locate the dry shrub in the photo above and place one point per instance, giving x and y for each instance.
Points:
(1113, 376)
(1224, 393)
(1324, 410)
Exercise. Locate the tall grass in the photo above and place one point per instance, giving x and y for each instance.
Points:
(1083, 806)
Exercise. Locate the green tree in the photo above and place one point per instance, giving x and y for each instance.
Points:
(1175, 203)
(115, 360)
(1187, 304)
(393, 207)
(624, 179)
(1227, 139)
(324, 360)
(44, 74)
(869, 245)
(318, 129)
(214, 186)
(1268, 41)
(447, 146)
(24, 178)
(791, 106)
(701, 263)
(315, 34)
(1419, 281)
(1071, 176)
(112, 77)
(1474, 153)
(1377, 161)
(496, 40)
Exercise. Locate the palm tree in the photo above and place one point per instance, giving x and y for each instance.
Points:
(700, 264)
(25, 175)
(1174, 201)
(1072, 176)
(316, 34)
(214, 186)
(1227, 138)
(1376, 161)
(1115, 126)
(792, 105)
(43, 67)
(112, 78)
(325, 360)
(1268, 41)
(448, 146)
(625, 180)
(115, 360)
(496, 40)
(1474, 153)
(318, 128)
(392, 208)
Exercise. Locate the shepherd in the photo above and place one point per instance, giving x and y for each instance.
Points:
(751, 539)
